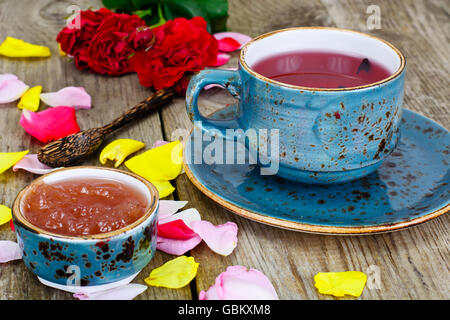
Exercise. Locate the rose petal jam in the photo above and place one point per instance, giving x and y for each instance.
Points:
(83, 207)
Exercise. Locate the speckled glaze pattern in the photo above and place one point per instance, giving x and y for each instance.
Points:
(410, 187)
(101, 260)
(325, 136)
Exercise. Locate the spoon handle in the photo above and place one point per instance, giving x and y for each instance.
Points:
(158, 99)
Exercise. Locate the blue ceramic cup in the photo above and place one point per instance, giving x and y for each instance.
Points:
(91, 261)
(323, 135)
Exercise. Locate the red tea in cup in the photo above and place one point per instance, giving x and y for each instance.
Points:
(315, 69)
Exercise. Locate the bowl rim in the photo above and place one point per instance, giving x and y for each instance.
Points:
(244, 64)
(18, 217)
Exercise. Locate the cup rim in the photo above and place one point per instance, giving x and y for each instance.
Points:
(260, 76)
(19, 217)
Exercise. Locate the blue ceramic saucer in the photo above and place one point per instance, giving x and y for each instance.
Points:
(410, 187)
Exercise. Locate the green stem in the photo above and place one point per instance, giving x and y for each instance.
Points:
(161, 18)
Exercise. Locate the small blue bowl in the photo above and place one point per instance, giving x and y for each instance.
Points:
(93, 260)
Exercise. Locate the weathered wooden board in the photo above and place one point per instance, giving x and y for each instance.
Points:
(292, 259)
(39, 22)
(413, 263)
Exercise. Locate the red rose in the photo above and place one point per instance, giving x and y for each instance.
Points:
(113, 44)
(74, 41)
(179, 46)
(105, 41)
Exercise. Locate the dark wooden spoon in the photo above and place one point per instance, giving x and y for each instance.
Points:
(74, 148)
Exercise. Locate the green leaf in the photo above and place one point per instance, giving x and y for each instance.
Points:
(143, 13)
(119, 4)
(186, 9)
(218, 13)
(215, 12)
(161, 18)
(215, 8)
(144, 4)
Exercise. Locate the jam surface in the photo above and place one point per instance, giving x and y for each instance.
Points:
(83, 207)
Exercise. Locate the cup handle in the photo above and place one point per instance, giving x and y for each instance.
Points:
(229, 79)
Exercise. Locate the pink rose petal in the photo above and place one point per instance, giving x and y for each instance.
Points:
(177, 247)
(221, 239)
(210, 294)
(176, 229)
(159, 143)
(11, 88)
(187, 216)
(238, 283)
(222, 58)
(50, 124)
(126, 292)
(228, 44)
(209, 86)
(31, 164)
(75, 97)
(9, 251)
(239, 37)
(8, 76)
(169, 207)
(181, 232)
(177, 226)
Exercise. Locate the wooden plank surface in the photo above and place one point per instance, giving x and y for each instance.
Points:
(110, 97)
(413, 263)
(292, 259)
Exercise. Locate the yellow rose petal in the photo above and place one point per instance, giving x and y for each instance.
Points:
(30, 99)
(118, 150)
(341, 283)
(164, 187)
(5, 214)
(161, 163)
(174, 274)
(62, 53)
(8, 159)
(16, 48)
